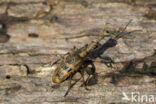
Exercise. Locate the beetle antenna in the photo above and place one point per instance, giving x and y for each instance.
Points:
(121, 33)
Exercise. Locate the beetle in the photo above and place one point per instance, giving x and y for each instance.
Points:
(73, 61)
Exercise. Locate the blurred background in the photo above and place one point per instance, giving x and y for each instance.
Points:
(34, 32)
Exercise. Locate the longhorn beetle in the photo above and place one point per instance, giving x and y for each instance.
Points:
(73, 61)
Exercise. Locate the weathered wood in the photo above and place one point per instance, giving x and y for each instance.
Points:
(25, 71)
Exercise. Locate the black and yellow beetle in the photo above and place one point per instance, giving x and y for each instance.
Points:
(74, 60)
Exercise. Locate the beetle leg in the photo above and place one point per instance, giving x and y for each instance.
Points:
(55, 62)
(70, 82)
(84, 82)
(107, 60)
(70, 85)
(90, 71)
(90, 62)
(59, 58)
